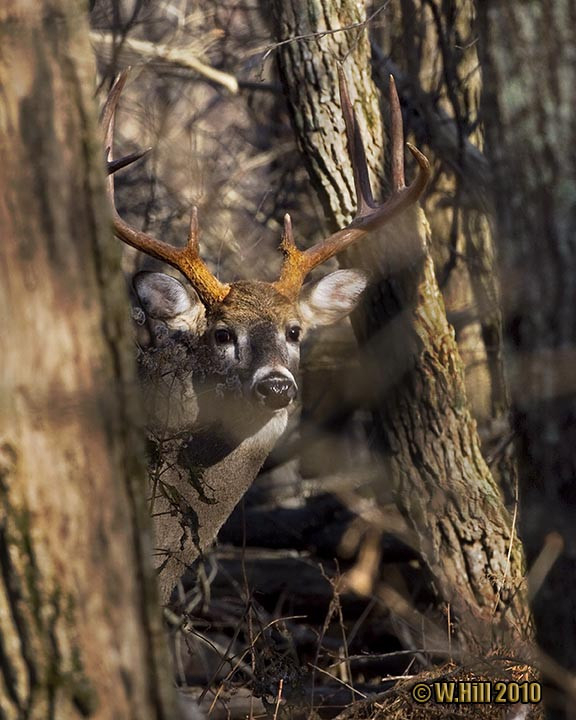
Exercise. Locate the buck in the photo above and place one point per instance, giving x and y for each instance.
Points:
(220, 375)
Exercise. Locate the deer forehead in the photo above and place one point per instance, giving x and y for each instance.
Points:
(252, 302)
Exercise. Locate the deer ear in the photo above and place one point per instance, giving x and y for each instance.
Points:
(164, 298)
(332, 297)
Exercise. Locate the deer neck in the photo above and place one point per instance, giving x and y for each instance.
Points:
(196, 482)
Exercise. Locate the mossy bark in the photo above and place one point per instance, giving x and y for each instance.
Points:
(80, 631)
(423, 421)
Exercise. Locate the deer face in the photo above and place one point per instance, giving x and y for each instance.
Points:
(252, 337)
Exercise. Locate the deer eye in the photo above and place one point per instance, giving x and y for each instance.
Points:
(223, 336)
(293, 333)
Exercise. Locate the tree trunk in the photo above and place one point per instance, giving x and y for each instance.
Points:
(529, 117)
(425, 429)
(80, 634)
(429, 45)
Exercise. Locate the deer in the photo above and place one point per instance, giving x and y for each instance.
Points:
(220, 373)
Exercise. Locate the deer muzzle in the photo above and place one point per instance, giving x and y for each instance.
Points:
(275, 391)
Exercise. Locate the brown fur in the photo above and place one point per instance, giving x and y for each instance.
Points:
(252, 301)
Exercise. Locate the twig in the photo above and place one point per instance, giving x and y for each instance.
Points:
(394, 654)
(278, 698)
(338, 680)
(323, 33)
(144, 51)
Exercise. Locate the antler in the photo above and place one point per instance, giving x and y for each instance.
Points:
(297, 264)
(187, 259)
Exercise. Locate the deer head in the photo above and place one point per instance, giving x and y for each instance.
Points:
(254, 328)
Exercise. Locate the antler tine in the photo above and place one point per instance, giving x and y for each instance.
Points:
(193, 231)
(364, 197)
(109, 109)
(397, 138)
(187, 260)
(369, 216)
(115, 165)
(287, 243)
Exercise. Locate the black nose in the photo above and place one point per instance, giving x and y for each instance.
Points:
(275, 391)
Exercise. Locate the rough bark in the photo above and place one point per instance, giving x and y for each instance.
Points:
(425, 429)
(430, 44)
(80, 631)
(529, 117)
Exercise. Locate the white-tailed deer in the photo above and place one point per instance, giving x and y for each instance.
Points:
(220, 376)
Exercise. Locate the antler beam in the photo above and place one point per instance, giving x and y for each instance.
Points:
(297, 264)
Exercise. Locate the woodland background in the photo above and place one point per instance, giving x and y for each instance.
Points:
(379, 542)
